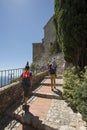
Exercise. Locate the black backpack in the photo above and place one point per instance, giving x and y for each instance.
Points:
(52, 70)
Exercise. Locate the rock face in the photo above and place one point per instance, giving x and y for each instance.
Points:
(41, 51)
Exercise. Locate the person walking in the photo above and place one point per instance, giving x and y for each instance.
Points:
(52, 73)
(26, 83)
(55, 65)
(47, 67)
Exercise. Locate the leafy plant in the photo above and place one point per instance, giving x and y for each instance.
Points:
(70, 20)
(75, 90)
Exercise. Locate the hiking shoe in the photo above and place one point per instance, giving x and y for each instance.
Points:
(52, 89)
(25, 107)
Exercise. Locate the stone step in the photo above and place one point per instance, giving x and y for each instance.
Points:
(58, 77)
(48, 95)
(48, 84)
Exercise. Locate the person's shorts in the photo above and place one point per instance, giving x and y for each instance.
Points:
(52, 76)
(26, 91)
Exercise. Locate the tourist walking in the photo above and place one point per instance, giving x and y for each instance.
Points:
(26, 83)
(52, 73)
(55, 65)
(47, 67)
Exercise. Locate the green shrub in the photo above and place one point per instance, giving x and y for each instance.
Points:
(75, 90)
(71, 81)
(81, 94)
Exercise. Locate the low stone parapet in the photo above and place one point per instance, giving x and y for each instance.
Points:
(13, 92)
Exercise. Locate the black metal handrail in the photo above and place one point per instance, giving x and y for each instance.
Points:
(7, 76)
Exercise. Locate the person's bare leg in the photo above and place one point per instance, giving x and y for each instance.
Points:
(54, 83)
(51, 84)
(25, 100)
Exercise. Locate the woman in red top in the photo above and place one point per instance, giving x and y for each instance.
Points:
(26, 83)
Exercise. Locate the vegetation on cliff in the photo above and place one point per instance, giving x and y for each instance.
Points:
(71, 28)
(70, 20)
(55, 48)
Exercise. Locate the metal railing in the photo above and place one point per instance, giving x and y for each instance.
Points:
(8, 76)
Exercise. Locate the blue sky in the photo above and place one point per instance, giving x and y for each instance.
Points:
(21, 24)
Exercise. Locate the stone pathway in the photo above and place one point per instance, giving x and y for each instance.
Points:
(48, 111)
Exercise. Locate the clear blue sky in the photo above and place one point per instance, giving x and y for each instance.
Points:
(21, 24)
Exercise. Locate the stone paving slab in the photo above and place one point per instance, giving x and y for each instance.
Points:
(61, 117)
(59, 82)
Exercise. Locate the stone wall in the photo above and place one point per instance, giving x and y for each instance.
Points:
(41, 50)
(38, 50)
(12, 93)
(49, 35)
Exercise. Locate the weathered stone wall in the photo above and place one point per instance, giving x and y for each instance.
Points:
(38, 50)
(49, 35)
(41, 50)
(13, 92)
(8, 95)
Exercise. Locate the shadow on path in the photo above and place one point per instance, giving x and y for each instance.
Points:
(35, 122)
(58, 92)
